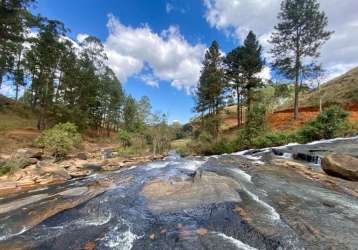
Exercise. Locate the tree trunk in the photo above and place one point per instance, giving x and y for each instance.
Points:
(238, 107)
(296, 104)
(249, 99)
(320, 97)
(17, 92)
(297, 77)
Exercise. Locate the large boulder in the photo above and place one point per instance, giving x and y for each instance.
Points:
(341, 165)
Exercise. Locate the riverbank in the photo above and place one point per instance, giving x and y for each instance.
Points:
(36, 171)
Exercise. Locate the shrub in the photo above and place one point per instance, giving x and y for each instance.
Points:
(124, 138)
(273, 140)
(13, 164)
(255, 123)
(325, 126)
(224, 146)
(202, 145)
(60, 139)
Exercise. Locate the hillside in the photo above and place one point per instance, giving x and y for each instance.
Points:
(341, 90)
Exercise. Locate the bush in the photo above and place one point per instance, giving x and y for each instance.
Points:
(60, 139)
(224, 146)
(203, 145)
(273, 140)
(124, 138)
(255, 123)
(326, 125)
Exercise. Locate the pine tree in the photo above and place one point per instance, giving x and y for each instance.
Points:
(210, 90)
(251, 64)
(234, 75)
(298, 36)
(15, 21)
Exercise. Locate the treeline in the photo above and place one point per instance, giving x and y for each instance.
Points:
(65, 81)
(296, 42)
(234, 78)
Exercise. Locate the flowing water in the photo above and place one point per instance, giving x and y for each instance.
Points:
(239, 201)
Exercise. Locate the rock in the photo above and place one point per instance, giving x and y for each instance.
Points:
(29, 153)
(75, 171)
(202, 231)
(82, 156)
(57, 171)
(96, 166)
(106, 153)
(7, 185)
(89, 245)
(340, 165)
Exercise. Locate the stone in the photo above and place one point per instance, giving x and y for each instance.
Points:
(341, 165)
(202, 231)
(96, 166)
(76, 172)
(106, 153)
(29, 153)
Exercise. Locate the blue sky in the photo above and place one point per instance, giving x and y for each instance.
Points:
(156, 47)
(91, 17)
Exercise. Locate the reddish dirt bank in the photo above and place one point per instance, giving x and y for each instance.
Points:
(283, 120)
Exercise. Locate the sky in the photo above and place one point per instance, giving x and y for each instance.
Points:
(156, 47)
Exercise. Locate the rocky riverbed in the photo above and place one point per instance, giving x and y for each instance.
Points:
(258, 199)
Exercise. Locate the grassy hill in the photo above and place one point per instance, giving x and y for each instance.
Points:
(17, 125)
(342, 90)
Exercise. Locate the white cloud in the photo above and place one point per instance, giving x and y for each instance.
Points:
(150, 80)
(168, 54)
(237, 17)
(81, 37)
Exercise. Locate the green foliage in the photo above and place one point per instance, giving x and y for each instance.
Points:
(203, 144)
(60, 139)
(225, 146)
(273, 140)
(255, 122)
(124, 138)
(297, 39)
(325, 126)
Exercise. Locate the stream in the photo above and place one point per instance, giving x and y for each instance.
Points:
(239, 201)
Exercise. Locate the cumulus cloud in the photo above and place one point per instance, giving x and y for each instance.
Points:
(169, 56)
(81, 37)
(237, 17)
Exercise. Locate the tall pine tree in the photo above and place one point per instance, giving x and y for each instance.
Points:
(298, 36)
(251, 63)
(210, 90)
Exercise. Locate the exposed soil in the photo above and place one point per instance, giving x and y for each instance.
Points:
(283, 120)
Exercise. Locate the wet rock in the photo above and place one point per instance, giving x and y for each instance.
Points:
(152, 237)
(202, 231)
(29, 153)
(340, 165)
(174, 195)
(89, 245)
(308, 156)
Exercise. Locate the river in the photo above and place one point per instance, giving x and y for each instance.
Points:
(247, 200)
